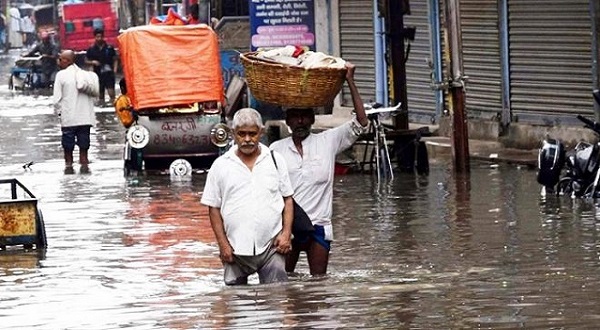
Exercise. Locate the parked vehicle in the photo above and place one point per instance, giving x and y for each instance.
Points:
(174, 81)
(26, 74)
(77, 22)
(582, 175)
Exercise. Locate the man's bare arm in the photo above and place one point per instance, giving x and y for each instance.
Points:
(357, 101)
(216, 222)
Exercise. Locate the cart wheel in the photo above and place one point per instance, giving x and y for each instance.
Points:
(40, 240)
(11, 84)
(134, 164)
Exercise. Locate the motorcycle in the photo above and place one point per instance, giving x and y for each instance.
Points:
(582, 174)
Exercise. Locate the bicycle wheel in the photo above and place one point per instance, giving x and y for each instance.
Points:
(377, 152)
(28, 82)
(385, 163)
(565, 186)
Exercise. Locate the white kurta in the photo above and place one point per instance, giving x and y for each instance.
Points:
(73, 107)
(15, 38)
(251, 202)
(312, 174)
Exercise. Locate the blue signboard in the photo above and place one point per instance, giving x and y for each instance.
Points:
(231, 65)
(278, 23)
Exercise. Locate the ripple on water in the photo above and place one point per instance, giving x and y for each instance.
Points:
(436, 251)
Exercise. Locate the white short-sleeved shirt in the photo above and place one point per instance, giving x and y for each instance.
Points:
(312, 174)
(251, 202)
(74, 108)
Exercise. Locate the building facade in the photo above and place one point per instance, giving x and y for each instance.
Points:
(526, 61)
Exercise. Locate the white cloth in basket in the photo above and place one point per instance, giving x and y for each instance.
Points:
(308, 60)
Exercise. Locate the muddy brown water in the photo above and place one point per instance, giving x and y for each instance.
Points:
(430, 252)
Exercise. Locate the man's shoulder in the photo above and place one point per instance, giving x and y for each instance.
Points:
(70, 70)
(59, 74)
(222, 160)
(281, 143)
(333, 132)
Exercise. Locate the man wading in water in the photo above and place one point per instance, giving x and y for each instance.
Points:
(310, 160)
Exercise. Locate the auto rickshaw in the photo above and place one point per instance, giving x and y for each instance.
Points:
(175, 87)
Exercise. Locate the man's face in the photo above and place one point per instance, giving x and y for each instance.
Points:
(247, 138)
(99, 38)
(63, 61)
(300, 121)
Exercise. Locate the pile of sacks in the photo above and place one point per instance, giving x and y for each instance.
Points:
(298, 56)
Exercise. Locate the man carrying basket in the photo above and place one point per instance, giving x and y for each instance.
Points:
(310, 161)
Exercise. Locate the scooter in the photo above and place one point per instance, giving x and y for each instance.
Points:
(582, 175)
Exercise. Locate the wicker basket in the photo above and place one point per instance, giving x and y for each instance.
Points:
(291, 86)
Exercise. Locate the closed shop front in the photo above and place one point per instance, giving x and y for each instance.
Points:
(357, 46)
(481, 58)
(550, 59)
(421, 98)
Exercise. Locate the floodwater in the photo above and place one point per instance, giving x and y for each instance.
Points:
(429, 252)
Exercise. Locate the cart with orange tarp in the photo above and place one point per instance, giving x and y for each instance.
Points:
(175, 86)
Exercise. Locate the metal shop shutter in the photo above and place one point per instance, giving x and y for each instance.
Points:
(357, 45)
(481, 57)
(421, 98)
(550, 59)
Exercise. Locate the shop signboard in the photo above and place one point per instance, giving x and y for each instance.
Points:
(278, 23)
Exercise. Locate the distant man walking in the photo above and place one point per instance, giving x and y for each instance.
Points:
(15, 39)
(103, 58)
(75, 110)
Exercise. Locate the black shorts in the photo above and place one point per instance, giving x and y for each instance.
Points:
(106, 80)
(318, 236)
(76, 135)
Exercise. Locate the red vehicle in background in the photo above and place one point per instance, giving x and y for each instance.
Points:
(77, 22)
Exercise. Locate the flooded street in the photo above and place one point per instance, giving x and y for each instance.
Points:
(431, 252)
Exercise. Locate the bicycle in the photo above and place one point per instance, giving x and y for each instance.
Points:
(376, 112)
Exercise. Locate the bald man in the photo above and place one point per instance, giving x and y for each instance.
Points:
(75, 110)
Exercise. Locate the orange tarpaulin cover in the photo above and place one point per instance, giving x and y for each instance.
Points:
(172, 18)
(171, 65)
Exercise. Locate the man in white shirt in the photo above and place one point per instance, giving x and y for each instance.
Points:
(15, 39)
(75, 110)
(249, 199)
(310, 160)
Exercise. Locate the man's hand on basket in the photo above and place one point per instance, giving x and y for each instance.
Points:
(350, 71)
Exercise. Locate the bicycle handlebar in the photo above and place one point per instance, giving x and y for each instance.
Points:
(373, 111)
(594, 126)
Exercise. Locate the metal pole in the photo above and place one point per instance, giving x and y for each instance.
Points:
(204, 11)
(380, 77)
(460, 132)
(436, 56)
(396, 11)
(595, 15)
(506, 116)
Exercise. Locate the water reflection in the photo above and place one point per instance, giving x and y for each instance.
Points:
(437, 251)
